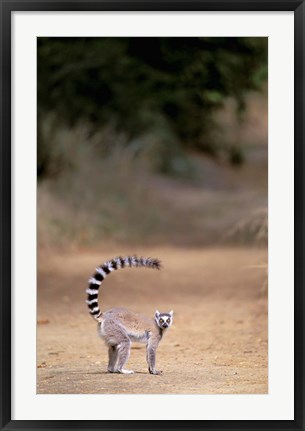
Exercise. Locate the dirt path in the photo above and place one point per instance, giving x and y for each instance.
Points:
(217, 344)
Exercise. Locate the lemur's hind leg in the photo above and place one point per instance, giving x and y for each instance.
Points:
(123, 355)
(117, 339)
(113, 357)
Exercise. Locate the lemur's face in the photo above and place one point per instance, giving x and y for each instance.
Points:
(164, 320)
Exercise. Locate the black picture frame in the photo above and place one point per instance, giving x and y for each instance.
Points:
(7, 7)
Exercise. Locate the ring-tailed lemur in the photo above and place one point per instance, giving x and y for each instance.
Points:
(119, 327)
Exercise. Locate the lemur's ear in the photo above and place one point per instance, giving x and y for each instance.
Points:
(171, 313)
(157, 314)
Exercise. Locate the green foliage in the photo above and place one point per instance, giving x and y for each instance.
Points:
(138, 85)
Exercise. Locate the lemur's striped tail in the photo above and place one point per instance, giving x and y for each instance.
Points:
(103, 270)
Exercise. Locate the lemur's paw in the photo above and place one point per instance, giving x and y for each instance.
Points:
(156, 372)
(122, 371)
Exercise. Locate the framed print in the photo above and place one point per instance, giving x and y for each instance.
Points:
(141, 136)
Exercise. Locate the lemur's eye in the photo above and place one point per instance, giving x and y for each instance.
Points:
(161, 320)
(168, 320)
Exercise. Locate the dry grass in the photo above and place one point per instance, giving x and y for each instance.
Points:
(113, 200)
(253, 228)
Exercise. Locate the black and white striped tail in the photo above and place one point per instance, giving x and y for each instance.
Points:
(106, 268)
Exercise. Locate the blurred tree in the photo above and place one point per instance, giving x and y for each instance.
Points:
(132, 82)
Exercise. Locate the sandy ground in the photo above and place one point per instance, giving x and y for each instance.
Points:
(217, 344)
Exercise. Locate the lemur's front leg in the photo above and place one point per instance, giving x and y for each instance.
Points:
(151, 349)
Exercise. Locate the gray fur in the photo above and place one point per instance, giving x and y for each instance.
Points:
(119, 327)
